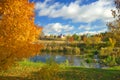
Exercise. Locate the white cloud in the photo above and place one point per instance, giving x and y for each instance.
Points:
(88, 32)
(57, 28)
(93, 32)
(100, 9)
(92, 29)
(84, 27)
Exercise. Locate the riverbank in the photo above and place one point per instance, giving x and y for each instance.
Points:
(27, 70)
(108, 55)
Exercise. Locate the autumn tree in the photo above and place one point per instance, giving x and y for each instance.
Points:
(18, 33)
(71, 39)
(114, 27)
(114, 30)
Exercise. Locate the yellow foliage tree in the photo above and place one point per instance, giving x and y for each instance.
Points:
(112, 42)
(18, 33)
(114, 27)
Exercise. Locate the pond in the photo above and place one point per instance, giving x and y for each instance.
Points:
(70, 60)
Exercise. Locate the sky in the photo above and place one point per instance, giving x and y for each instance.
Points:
(73, 16)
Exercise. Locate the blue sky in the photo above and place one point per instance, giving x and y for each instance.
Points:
(73, 16)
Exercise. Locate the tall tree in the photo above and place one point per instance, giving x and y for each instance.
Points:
(18, 33)
(76, 37)
(114, 26)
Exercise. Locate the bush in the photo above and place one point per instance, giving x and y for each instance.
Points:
(110, 61)
(87, 51)
(60, 49)
(55, 49)
(48, 72)
(106, 51)
(89, 60)
(49, 49)
(76, 51)
(118, 60)
(67, 49)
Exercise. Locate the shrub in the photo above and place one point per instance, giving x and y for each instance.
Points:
(49, 49)
(110, 61)
(55, 49)
(67, 49)
(60, 49)
(48, 72)
(106, 51)
(89, 60)
(44, 48)
(118, 60)
(76, 51)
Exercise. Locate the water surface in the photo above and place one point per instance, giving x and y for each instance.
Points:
(71, 60)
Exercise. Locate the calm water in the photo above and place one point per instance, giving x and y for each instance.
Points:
(71, 60)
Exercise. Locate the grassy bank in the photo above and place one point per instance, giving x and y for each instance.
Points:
(27, 70)
(77, 73)
(22, 69)
(108, 55)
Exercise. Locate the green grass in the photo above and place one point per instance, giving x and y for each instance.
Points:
(77, 73)
(22, 69)
(115, 68)
(27, 63)
(27, 70)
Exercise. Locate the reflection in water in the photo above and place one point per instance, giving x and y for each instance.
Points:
(72, 60)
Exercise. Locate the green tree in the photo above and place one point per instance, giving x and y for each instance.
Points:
(76, 37)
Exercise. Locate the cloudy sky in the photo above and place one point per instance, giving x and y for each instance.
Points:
(73, 16)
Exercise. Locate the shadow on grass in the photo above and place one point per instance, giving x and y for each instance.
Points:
(13, 78)
(73, 73)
